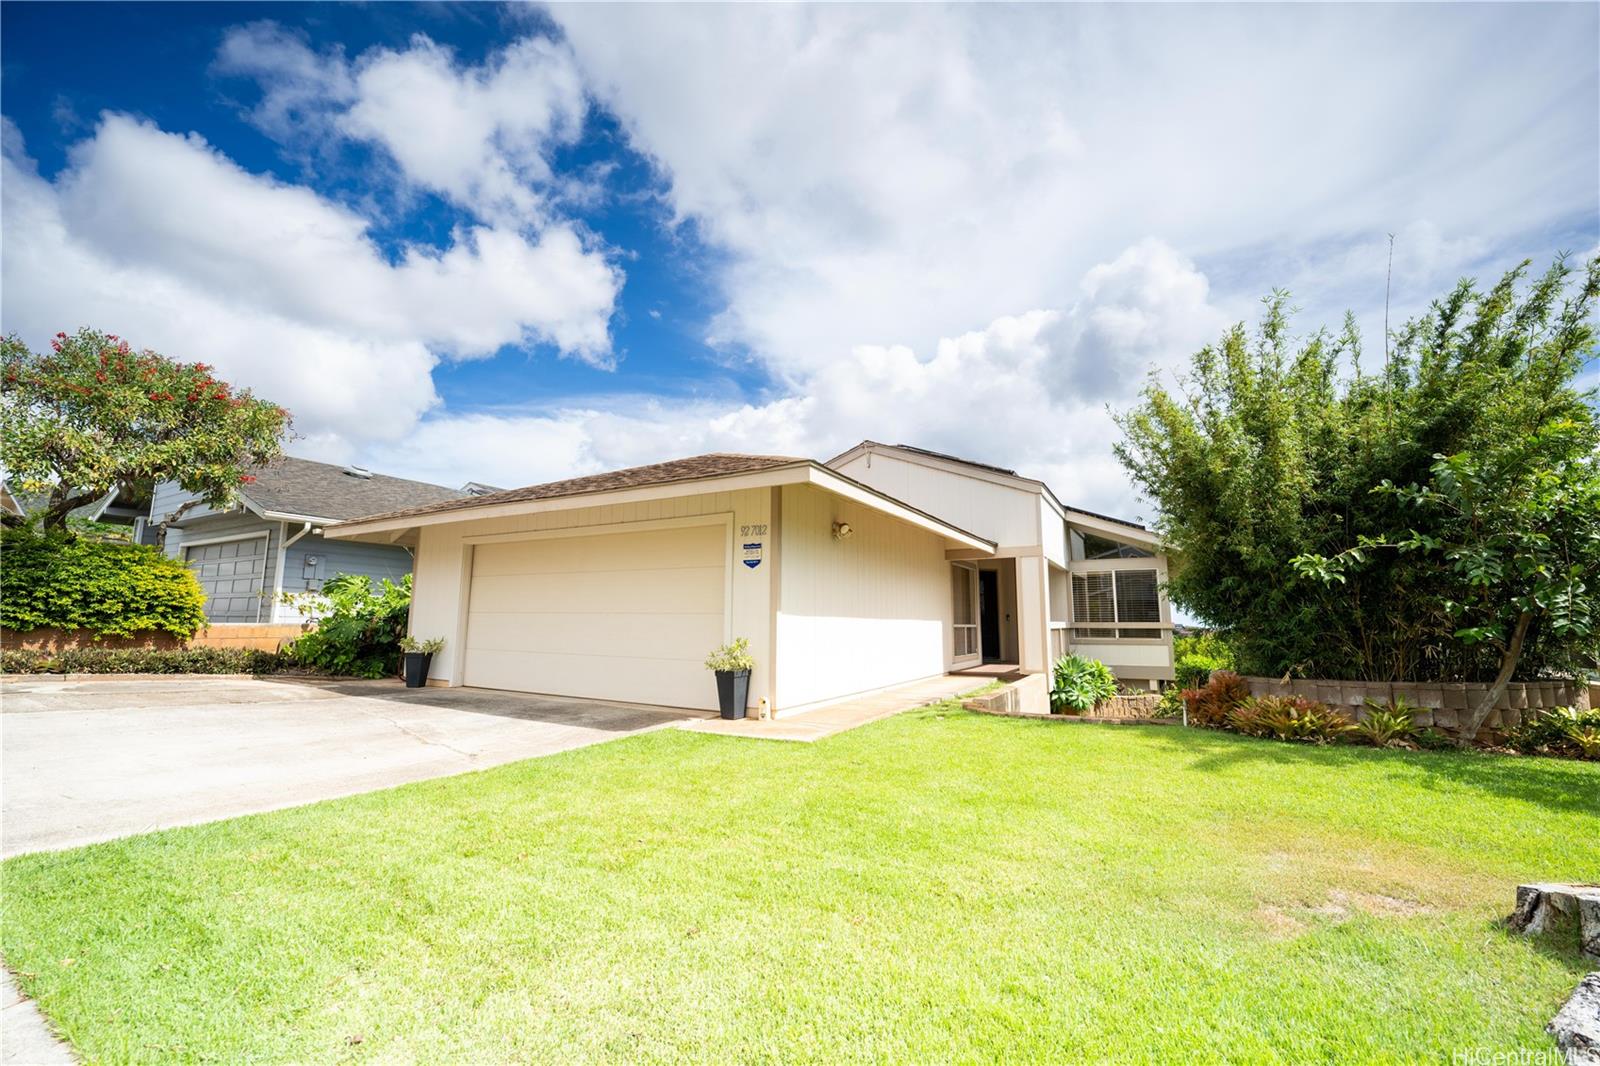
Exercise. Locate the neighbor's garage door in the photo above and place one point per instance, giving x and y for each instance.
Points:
(618, 616)
(231, 574)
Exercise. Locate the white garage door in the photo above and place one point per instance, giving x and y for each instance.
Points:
(616, 616)
(231, 573)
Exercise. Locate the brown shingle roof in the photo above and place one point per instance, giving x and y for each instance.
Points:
(719, 464)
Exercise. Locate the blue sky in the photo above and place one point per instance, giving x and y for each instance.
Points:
(515, 243)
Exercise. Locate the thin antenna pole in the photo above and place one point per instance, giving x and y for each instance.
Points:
(1388, 281)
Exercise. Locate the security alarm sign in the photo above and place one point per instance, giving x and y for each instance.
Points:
(752, 554)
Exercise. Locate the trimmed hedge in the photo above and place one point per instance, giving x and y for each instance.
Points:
(57, 581)
(141, 661)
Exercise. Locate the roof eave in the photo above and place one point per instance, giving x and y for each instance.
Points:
(804, 471)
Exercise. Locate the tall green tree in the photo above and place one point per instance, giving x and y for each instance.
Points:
(91, 414)
(1436, 521)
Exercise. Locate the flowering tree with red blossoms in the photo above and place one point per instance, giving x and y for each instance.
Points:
(92, 414)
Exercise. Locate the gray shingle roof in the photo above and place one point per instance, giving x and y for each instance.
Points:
(323, 490)
(690, 469)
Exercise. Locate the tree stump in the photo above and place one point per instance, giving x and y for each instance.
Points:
(1551, 907)
(1577, 1026)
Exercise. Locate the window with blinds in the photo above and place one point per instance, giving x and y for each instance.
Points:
(1115, 596)
(1094, 600)
(1137, 601)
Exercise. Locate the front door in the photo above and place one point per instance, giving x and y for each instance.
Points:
(989, 614)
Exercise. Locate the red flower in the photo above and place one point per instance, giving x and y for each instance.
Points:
(246, 479)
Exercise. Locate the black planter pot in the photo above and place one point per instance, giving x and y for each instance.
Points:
(416, 668)
(733, 692)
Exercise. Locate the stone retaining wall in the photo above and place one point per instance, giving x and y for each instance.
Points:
(1441, 705)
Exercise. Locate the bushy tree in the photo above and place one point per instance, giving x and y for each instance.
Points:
(1437, 521)
(92, 414)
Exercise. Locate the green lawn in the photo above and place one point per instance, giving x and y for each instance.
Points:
(937, 886)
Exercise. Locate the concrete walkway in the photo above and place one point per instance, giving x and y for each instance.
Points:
(847, 714)
(25, 1039)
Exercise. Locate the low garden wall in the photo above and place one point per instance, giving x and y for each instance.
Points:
(260, 637)
(1440, 705)
(256, 637)
(58, 640)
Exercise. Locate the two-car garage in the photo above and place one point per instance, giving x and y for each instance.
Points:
(625, 616)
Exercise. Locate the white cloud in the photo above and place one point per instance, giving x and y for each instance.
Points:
(1007, 393)
(476, 135)
(162, 239)
(887, 174)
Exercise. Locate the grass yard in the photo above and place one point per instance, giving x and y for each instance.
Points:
(937, 886)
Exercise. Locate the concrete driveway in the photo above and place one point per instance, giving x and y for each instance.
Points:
(85, 761)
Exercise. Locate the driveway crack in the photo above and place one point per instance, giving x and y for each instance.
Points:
(418, 737)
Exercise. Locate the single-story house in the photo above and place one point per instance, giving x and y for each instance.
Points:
(886, 566)
(271, 541)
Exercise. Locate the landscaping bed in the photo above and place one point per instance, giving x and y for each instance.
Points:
(937, 886)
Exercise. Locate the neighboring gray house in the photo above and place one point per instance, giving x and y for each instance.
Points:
(271, 541)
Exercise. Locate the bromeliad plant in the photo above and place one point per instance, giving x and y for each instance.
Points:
(1564, 732)
(1385, 724)
(1080, 684)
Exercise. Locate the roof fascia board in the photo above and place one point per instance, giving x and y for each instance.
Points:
(789, 473)
(841, 485)
(934, 462)
(1114, 530)
(806, 472)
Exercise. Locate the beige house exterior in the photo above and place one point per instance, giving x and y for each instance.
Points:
(616, 586)
(1054, 571)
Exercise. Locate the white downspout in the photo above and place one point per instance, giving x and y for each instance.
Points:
(284, 543)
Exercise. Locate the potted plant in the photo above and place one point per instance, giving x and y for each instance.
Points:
(732, 665)
(418, 657)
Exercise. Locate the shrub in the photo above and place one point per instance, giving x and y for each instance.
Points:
(116, 590)
(1194, 670)
(1199, 655)
(141, 661)
(1210, 704)
(359, 635)
(1171, 704)
(732, 657)
(1384, 724)
(1080, 684)
(1562, 732)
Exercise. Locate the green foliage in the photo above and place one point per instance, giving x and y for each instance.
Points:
(54, 580)
(1209, 705)
(1080, 684)
(1194, 670)
(431, 646)
(92, 414)
(1383, 724)
(1291, 718)
(141, 661)
(731, 658)
(359, 632)
(1170, 704)
(1563, 732)
(1398, 526)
